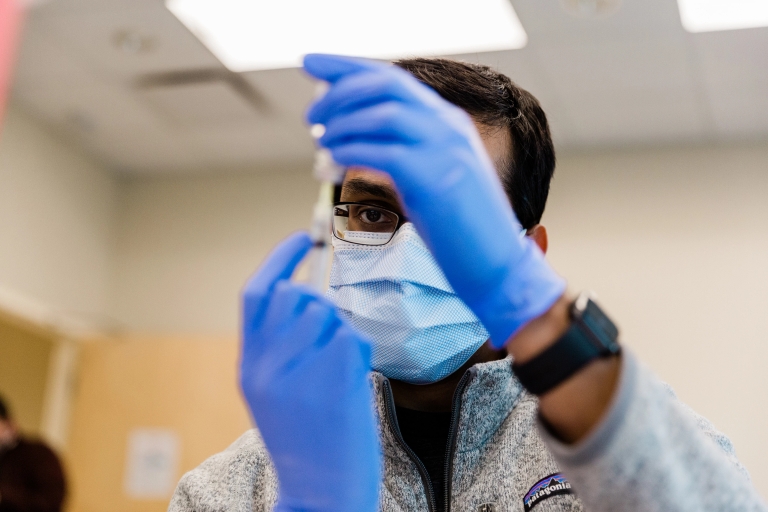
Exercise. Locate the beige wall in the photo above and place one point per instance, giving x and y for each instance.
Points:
(24, 361)
(675, 243)
(187, 385)
(186, 245)
(56, 220)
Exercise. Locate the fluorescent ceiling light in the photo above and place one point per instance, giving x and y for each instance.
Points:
(712, 15)
(248, 35)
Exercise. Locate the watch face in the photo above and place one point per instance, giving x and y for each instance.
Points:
(601, 327)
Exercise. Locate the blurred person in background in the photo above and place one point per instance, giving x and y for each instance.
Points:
(11, 12)
(449, 166)
(31, 476)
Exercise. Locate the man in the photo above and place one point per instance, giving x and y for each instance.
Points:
(31, 478)
(431, 268)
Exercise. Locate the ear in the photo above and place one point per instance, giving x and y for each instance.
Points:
(538, 234)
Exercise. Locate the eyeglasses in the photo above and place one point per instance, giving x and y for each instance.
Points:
(365, 224)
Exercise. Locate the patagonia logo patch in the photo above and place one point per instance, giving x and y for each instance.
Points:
(552, 485)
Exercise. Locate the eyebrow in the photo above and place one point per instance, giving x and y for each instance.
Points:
(361, 186)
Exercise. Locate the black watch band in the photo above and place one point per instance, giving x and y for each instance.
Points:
(591, 335)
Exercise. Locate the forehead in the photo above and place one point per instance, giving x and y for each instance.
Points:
(497, 142)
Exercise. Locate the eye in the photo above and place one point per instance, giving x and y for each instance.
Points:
(372, 218)
(371, 215)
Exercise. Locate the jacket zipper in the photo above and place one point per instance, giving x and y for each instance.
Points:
(453, 435)
(389, 406)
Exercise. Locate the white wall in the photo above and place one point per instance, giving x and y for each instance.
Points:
(675, 243)
(57, 212)
(186, 245)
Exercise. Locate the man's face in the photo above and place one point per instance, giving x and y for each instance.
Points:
(368, 186)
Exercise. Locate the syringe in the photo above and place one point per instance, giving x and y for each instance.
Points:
(330, 175)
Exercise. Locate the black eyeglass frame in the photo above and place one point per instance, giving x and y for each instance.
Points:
(401, 219)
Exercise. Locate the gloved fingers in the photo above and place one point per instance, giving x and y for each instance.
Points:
(317, 325)
(383, 156)
(351, 354)
(280, 264)
(332, 68)
(359, 90)
(350, 93)
(390, 121)
(311, 331)
(287, 309)
(347, 334)
(281, 323)
(285, 304)
(343, 359)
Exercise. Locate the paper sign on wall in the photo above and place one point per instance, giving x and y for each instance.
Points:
(152, 463)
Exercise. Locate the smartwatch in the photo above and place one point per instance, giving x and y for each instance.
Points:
(591, 335)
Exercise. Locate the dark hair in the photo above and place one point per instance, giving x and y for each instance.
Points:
(494, 100)
(4, 412)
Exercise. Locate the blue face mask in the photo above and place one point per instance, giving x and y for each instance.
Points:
(397, 295)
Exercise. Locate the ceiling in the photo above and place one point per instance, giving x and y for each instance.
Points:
(635, 78)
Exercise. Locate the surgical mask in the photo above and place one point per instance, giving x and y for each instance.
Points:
(399, 297)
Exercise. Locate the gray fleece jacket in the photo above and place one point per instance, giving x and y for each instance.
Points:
(650, 453)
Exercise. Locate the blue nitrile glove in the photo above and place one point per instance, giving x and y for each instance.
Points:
(304, 374)
(379, 116)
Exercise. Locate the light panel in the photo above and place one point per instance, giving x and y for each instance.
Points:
(249, 35)
(714, 15)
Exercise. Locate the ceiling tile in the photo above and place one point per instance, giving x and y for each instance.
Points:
(64, 6)
(42, 59)
(272, 143)
(632, 78)
(149, 149)
(213, 103)
(734, 70)
(623, 90)
(288, 92)
(92, 33)
(546, 22)
(107, 105)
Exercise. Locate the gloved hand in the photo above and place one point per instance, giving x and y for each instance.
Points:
(304, 374)
(379, 116)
